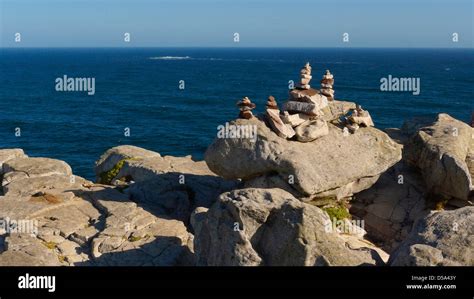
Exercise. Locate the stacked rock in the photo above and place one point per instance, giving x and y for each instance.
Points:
(305, 99)
(305, 76)
(327, 84)
(271, 103)
(304, 108)
(275, 122)
(246, 106)
(359, 118)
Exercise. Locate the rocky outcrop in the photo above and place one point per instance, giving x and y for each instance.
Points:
(170, 185)
(270, 227)
(443, 238)
(390, 207)
(8, 154)
(441, 151)
(51, 217)
(322, 167)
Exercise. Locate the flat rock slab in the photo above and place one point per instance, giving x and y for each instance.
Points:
(20, 168)
(329, 162)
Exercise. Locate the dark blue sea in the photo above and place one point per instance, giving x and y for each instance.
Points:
(139, 89)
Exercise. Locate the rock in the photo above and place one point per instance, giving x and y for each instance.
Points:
(271, 103)
(390, 207)
(365, 121)
(277, 125)
(20, 168)
(440, 152)
(251, 227)
(443, 238)
(112, 160)
(25, 250)
(311, 109)
(308, 96)
(337, 109)
(311, 130)
(172, 185)
(294, 120)
(70, 221)
(329, 162)
(29, 186)
(9, 154)
(352, 128)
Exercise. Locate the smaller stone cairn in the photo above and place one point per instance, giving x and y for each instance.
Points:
(246, 106)
(327, 84)
(305, 76)
(359, 118)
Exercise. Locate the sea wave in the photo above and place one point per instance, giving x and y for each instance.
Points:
(170, 57)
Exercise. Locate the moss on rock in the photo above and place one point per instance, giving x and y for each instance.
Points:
(338, 213)
(106, 177)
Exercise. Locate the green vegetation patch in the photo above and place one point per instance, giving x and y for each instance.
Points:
(338, 213)
(106, 177)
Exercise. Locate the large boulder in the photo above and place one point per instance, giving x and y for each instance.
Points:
(110, 163)
(327, 164)
(443, 238)
(270, 227)
(441, 150)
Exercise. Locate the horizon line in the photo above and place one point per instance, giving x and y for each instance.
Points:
(223, 47)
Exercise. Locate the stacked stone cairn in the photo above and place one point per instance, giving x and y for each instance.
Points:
(327, 84)
(358, 118)
(246, 106)
(274, 120)
(303, 110)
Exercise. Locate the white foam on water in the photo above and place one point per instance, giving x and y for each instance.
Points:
(170, 57)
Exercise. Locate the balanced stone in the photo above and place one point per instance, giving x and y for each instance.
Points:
(302, 107)
(271, 103)
(294, 119)
(277, 125)
(246, 107)
(327, 85)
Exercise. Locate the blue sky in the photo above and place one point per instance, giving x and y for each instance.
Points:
(260, 23)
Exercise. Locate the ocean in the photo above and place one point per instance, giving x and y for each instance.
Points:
(139, 89)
